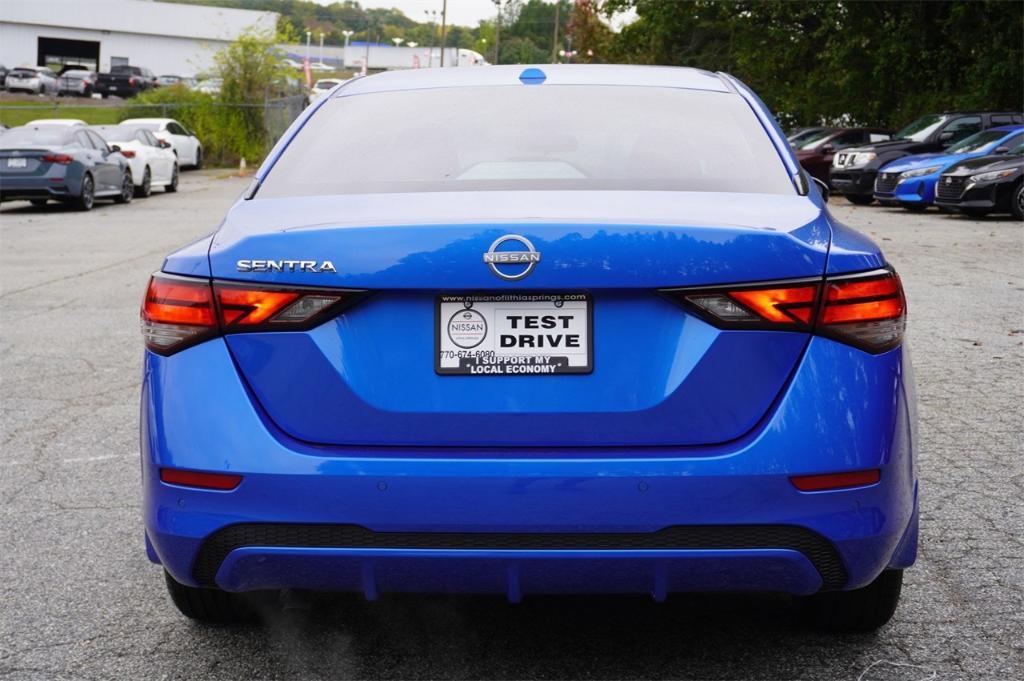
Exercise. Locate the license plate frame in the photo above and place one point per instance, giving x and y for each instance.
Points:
(481, 356)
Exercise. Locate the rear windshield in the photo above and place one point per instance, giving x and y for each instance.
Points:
(117, 133)
(17, 138)
(530, 137)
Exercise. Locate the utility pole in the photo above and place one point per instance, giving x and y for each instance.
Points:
(497, 35)
(444, 26)
(554, 38)
(321, 60)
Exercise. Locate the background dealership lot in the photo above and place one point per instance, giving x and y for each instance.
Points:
(81, 601)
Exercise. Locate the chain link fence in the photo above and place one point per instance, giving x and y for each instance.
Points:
(215, 123)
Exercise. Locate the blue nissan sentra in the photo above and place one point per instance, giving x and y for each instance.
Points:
(561, 329)
(910, 181)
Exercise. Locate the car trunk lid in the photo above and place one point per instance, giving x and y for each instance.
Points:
(660, 376)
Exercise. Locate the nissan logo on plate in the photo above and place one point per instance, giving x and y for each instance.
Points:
(529, 257)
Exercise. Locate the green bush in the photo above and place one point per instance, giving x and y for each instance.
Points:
(197, 111)
(231, 125)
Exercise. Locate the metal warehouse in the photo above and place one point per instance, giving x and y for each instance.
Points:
(167, 38)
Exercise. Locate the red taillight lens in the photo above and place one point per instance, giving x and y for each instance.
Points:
(62, 159)
(827, 481)
(780, 305)
(221, 481)
(127, 153)
(176, 312)
(181, 311)
(131, 81)
(866, 310)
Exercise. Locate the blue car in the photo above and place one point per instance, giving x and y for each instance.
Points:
(569, 329)
(910, 181)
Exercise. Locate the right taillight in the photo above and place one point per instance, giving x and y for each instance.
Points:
(867, 310)
(181, 311)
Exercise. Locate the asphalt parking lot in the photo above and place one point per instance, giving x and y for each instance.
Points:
(80, 600)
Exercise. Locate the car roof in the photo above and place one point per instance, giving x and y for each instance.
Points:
(990, 111)
(546, 74)
(57, 121)
(130, 121)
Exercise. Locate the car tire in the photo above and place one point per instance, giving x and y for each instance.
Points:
(1017, 202)
(211, 605)
(172, 186)
(127, 190)
(914, 207)
(146, 188)
(859, 199)
(87, 197)
(199, 158)
(863, 609)
(38, 202)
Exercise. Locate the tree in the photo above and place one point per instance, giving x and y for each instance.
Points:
(868, 62)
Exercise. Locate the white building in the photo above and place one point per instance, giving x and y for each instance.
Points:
(384, 57)
(167, 38)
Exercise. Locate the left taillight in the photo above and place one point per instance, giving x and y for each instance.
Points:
(177, 312)
(866, 310)
(181, 311)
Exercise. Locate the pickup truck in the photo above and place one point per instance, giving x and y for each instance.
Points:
(125, 81)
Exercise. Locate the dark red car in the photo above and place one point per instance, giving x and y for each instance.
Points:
(815, 153)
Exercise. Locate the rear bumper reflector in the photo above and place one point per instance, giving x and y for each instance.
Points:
(219, 481)
(829, 481)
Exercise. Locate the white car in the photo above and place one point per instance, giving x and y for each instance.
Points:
(210, 86)
(320, 66)
(151, 160)
(321, 88)
(57, 121)
(185, 144)
(37, 80)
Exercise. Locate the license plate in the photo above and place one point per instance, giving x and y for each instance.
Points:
(17, 163)
(113, 87)
(506, 334)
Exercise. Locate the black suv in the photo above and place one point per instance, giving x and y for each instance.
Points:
(853, 171)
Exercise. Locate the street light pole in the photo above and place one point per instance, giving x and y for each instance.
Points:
(309, 34)
(444, 26)
(432, 22)
(321, 59)
(497, 34)
(344, 57)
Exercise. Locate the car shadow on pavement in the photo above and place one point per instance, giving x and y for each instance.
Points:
(549, 637)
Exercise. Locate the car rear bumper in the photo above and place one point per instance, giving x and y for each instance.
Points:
(521, 521)
(53, 185)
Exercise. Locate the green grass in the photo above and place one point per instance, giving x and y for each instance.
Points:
(19, 113)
